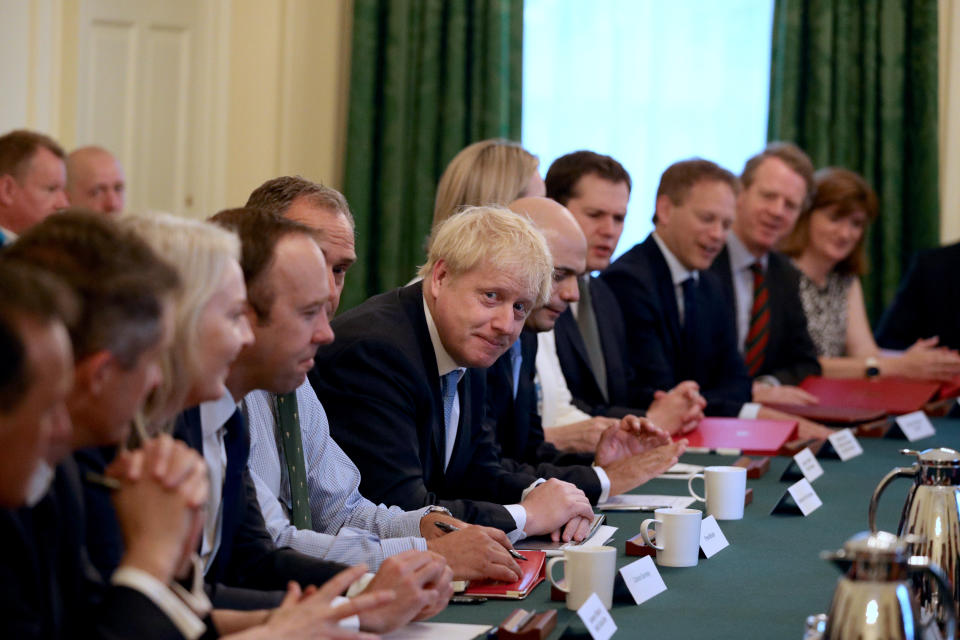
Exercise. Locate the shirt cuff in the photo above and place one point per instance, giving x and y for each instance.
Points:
(749, 410)
(519, 515)
(604, 483)
(360, 584)
(182, 617)
(353, 622)
(523, 496)
(768, 379)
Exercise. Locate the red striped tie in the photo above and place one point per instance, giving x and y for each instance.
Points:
(759, 333)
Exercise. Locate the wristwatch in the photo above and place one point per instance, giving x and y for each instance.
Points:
(435, 508)
(872, 367)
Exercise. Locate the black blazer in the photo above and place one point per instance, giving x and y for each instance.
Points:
(791, 355)
(380, 387)
(641, 281)
(48, 587)
(247, 556)
(575, 362)
(519, 431)
(927, 303)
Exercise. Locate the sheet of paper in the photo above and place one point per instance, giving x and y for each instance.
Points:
(596, 618)
(643, 579)
(437, 631)
(808, 464)
(712, 539)
(644, 502)
(805, 497)
(682, 469)
(915, 425)
(845, 444)
(603, 533)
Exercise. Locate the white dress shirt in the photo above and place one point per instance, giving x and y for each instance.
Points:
(348, 528)
(446, 364)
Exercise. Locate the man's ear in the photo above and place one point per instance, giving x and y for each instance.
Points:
(437, 277)
(92, 373)
(8, 189)
(664, 209)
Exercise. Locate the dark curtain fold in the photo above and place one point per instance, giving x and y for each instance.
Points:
(428, 77)
(855, 85)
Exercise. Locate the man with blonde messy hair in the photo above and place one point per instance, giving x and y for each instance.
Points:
(404, 388)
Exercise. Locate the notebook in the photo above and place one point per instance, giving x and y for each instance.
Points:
(828, 414)
(887, 394)
(533, 574)
(750, 437)
(544, 543)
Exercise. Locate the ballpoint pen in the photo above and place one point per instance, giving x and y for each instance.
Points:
(449, 528)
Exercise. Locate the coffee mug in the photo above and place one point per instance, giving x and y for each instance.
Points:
(724, 489)
(678, 536)
(589, 570)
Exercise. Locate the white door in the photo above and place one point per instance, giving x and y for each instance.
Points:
(141, 65)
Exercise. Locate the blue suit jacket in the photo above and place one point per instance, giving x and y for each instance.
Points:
(380, 387)
(641, 281)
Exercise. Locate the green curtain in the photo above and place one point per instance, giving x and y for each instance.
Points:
(855, 84)
(428, 77)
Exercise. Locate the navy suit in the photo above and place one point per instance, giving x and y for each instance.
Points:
(642, 283)
(927, 303)
(791, 355)
(380, 387)
(519, 431)
(48, 587)
(575, 362)
(247, 556)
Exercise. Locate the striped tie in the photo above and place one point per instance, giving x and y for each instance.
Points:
(759, 333)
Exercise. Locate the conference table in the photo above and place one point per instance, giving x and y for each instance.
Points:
(771, 577)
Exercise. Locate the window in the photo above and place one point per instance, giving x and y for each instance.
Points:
(648, 82)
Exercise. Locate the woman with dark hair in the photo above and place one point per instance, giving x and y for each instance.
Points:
(826, 245)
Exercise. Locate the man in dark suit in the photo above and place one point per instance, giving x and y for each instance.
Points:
(762, 286)
(927, 303)
(404, 388)
(631, 451)
(590, 336)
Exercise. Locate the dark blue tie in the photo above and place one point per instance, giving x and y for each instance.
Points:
(689, 332)
(516, 360)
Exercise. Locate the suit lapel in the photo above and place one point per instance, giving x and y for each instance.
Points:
(665, 290)
(567, 331)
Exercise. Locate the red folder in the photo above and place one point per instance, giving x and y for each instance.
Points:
(829, 414)
(533, 574)
(887, 394)
(751, 437)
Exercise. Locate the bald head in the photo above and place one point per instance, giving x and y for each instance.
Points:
(569, 248)
(95, 180)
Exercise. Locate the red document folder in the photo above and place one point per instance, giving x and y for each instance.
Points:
(533, 574)
(887, 394)
(829, 414)
(750, 437)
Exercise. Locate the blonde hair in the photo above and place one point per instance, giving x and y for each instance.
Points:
(201, 252)
(497, 237)
(494, 171)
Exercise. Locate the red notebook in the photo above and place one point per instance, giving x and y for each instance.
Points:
(533, 574)
(751, 437)
(887, 394)
(829, 414)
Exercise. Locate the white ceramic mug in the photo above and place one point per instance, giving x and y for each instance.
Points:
(724, 491)
(589, 570)
(678, 536)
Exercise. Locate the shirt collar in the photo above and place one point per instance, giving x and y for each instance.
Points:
(214, 414)
(740, 257)
(445, 363)
(678, 272)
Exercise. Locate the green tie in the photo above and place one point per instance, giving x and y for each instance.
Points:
(289, 420)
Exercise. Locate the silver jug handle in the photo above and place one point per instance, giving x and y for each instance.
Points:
(897, 472)
(946, 591)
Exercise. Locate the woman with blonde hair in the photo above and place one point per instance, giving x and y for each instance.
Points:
(826, 245)
(210, 320)
(489, 172)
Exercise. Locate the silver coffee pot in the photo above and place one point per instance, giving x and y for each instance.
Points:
(931, 518)
(875, 598)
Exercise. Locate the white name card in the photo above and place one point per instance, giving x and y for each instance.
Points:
(596, 618)
(808, 464)
(805, 497)
(845, 444)
(712, 539)
(643, 580)
(915, 425)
